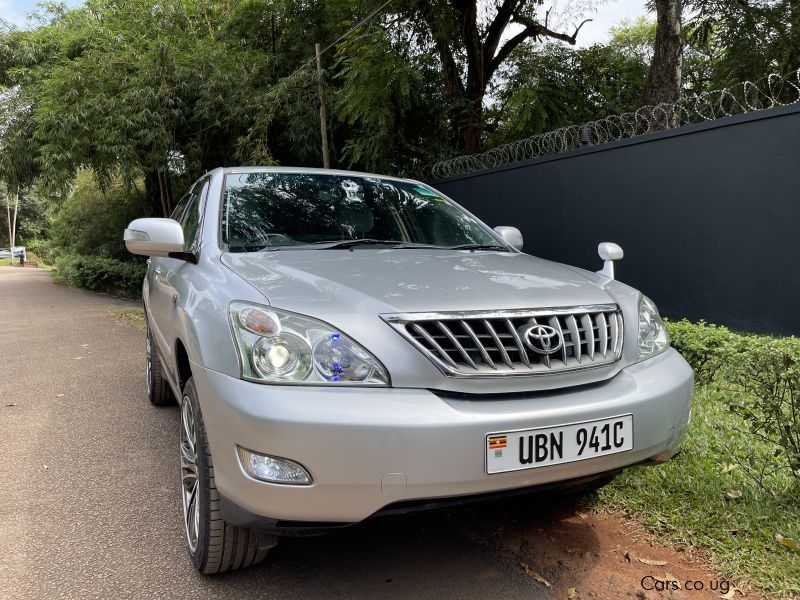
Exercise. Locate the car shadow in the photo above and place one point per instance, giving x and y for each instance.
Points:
(451, 553)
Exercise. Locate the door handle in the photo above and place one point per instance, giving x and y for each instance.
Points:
(157, 270)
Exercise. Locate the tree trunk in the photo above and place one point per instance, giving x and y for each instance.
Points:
(14, 226)
(483, 51)
(8, 214)
(472, 125)
(159, 192)
(665, 78)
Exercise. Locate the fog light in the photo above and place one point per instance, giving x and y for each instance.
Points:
(272, 469)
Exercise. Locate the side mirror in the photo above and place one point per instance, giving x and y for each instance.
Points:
(510, 235)
(609, 252)
(154, 237)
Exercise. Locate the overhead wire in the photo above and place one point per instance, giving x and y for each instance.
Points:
(313, 58)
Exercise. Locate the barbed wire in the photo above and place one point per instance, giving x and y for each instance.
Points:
(747, 96)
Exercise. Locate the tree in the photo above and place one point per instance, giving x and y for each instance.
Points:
(634, 38)
(471, 49)
(556, 86)
(746, 40)
(664, 79)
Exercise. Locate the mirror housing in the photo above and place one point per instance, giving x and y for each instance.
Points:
(511, 236)
(154, 237)
(609, 252)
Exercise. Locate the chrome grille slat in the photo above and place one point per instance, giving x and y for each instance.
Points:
(555, 323)
(491, 343)
(518, 342)
(457, 344)
(615, 332)
(499, 344)
(572, 326)
(545, 358)
(602, 329)
(479, 346)
(442, 354)
(588, 327)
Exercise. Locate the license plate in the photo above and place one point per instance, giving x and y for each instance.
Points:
(531, 448)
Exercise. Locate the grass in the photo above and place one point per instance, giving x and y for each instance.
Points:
(131, 316)
(689, 500)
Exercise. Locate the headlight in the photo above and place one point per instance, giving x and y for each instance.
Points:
(277, 346)
(653, 337)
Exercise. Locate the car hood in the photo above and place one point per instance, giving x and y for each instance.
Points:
(328, 283)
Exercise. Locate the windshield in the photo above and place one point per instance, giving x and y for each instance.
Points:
(269, 210)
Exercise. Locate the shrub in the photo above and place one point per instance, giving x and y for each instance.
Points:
(703, 345)
(759, 374)
(765, 374)
(90, 221)
(43, 250)
(102, 274)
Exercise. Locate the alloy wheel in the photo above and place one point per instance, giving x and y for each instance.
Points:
(189, 482)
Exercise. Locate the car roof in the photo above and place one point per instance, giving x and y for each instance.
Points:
(312, 171)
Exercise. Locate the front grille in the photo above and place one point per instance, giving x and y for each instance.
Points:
(518, 342)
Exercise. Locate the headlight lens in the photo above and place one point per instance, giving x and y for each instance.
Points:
(653, 337)
(276, 346)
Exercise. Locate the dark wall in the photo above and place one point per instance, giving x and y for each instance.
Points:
(708, 215)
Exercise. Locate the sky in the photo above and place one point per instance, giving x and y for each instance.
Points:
(611, 13)
(606, 16)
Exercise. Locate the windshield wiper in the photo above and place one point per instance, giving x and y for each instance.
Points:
(350, 244)
(479, 247)
(347, 244)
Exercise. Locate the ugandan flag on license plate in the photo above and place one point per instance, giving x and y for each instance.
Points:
(496, 442)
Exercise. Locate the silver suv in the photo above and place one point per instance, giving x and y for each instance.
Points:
(346, 345)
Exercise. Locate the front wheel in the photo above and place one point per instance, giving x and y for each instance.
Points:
(214, 545)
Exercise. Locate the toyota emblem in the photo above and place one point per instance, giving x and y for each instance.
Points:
(542, 339)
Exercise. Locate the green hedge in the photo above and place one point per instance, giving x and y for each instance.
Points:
(102, 274)
(43, 250)
(760, 375)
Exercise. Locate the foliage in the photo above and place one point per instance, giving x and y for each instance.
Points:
(102, 274)
(392, 99)
(635, 38)
(559, 86)
(703, 345)
(32, 215)
(745, 40)
(767, 371)
(42, 249)
(91, 220)
(759, 377)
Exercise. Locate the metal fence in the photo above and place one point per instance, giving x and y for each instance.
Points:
(747, 96)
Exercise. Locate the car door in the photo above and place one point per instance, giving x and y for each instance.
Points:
(176, 273)
(161, 292)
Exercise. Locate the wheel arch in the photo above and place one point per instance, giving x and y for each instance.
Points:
(183, 366)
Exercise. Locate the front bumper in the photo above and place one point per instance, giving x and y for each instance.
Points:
(368, 448)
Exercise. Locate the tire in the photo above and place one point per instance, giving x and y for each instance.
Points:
(158, 390)
(214, 545)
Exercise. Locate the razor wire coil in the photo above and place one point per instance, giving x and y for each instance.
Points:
(745, 97)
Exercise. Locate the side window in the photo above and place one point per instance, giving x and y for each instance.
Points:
(192, 216)
(177, 212)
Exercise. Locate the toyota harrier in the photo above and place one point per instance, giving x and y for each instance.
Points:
(345, 345)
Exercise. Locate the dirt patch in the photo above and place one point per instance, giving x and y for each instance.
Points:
(585, 554)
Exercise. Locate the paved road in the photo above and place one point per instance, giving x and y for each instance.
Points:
(89, 483)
